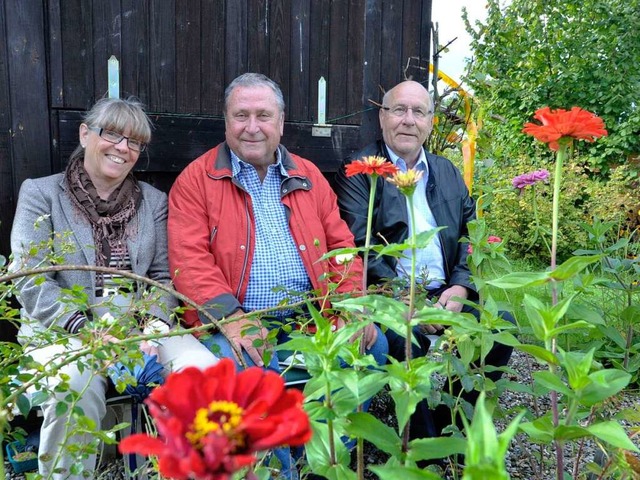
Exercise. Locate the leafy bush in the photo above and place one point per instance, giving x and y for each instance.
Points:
(523, 218)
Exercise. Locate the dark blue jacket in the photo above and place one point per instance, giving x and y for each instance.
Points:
(448, 199)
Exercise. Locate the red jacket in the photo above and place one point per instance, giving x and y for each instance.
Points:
(211, 231)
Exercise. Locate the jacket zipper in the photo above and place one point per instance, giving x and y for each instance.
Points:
(246, 250)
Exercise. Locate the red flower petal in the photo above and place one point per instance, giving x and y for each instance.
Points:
(142, 444)
(379, 166)
(265, 415)
(557, 124)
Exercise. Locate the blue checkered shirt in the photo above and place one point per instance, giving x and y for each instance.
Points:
(429, 261)
(277, 269)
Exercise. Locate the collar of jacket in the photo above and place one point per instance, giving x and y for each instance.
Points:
(221, 168)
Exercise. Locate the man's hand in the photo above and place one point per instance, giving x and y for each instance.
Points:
(233, 330)
(149, 348)
(448, 301)
(369, 336)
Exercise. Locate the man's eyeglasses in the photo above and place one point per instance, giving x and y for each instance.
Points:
(401, 111)
(114, 137)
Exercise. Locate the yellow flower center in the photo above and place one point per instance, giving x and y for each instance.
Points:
(219, 417)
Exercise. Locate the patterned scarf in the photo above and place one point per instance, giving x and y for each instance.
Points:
(108, 218)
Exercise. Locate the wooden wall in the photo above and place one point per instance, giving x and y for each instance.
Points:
(177, 56)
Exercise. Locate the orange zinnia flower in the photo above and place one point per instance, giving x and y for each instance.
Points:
(211, 423)
(557, 124)
(372, 165)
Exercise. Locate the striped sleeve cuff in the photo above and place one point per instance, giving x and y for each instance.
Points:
(75, 322)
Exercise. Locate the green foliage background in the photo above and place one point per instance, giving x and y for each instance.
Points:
(559, 53)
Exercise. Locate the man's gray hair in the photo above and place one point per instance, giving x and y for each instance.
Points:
(254, 80)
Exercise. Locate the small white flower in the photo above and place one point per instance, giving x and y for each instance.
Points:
(343, 258)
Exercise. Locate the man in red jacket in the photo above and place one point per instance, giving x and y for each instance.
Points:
(248, 216)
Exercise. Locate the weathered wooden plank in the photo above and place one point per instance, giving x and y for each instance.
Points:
(280, 45)
(26, 62)
(107, 37)
(7, 198)
(355, 49)
(188, 54)
(425, 32)
(258, 34)
(56, 87)
(236, 49)
(213, 45)
(179, 139)
(134, 65)
(411, 15)
(162, 56)
(391, 61)
(319, 51)
(77, 53)
(371, 90)
(338, 61)
(299, 77)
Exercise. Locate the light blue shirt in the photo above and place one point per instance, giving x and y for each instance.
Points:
(276, 269)
(429, 260)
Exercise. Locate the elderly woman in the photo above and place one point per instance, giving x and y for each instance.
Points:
(111, 220)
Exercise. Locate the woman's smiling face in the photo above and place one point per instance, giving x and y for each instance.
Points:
(107, 164)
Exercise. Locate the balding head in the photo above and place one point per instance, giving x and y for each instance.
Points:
(406, 119)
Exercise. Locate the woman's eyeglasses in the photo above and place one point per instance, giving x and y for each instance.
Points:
(114, 137)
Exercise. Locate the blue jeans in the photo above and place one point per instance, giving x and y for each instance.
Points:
(286, 455)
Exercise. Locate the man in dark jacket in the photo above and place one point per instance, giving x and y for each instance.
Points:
(441, 199)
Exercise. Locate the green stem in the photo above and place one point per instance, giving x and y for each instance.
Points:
(367, 238)
(534, 203)
(412, 296)
(365, 267)
(557, 180)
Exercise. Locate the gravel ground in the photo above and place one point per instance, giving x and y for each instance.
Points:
(524, 459)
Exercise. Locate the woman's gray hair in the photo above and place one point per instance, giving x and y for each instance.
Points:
(254, 80)
(120, 115)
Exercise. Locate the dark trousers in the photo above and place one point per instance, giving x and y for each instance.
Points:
(430, 423)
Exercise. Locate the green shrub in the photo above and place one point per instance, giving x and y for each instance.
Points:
(523, 218)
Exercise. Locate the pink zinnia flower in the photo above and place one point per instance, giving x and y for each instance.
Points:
(530, 178)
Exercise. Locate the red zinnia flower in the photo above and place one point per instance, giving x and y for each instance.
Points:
(211, 423)
(556, 124)
(371, 166)
(491, 239)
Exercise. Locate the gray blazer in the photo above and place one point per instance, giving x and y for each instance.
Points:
(46, 219)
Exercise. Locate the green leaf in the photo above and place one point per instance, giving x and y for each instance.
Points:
(572, 267)
(318, 451)
(540, 353)
(382, 436)
(520, 280)
(24, 405)
(440, 447)
(569, 432)
(613, 434)
(604, 384)
(61, 408)
(580, 324)
(396, 472)
(540, 430)
(552, 382)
